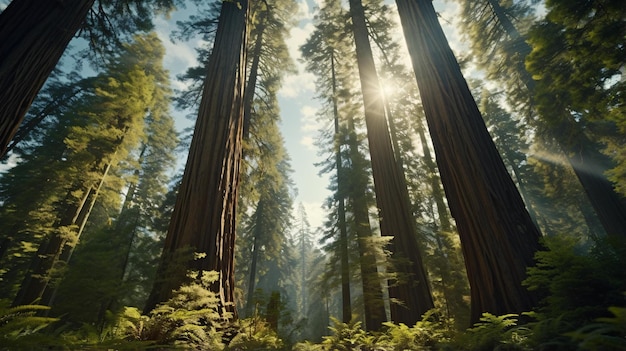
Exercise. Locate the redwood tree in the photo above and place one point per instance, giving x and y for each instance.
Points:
(498, 237)
(33, 36)
(204, 214)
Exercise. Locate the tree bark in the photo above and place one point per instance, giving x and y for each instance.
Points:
(396, 218)
(33, 36)
(205, 210)
(498, 237)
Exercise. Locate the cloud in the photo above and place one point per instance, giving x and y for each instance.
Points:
(308, 142)
(297, 84)
(304, 12)
(179, 56)
(309, 121)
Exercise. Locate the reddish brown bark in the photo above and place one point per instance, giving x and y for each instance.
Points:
(204, 214)
(33, 36)
(498, 236)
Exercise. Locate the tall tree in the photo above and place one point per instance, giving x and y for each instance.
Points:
(106, 125)
(498, 237)
(325, 51)
(34, 35)
(205, 211)
(392, 199)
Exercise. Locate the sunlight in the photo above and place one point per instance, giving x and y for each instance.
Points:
(388, 88)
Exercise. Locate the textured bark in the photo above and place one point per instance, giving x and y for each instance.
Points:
(33, 36)
(396, 218)
(205, 209)
(498, 237)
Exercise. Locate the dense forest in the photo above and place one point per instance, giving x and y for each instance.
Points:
(477, 197)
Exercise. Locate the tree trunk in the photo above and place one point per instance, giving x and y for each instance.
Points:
(396, 218)
(248, 98)
(205, 210)
(346, 302)
(498, 237)
(589, 164)
(253, 261)
(33, 36)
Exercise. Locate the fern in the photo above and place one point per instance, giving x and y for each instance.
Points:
(606, 334)
(20, 326)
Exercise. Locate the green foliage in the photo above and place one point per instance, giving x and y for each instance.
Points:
(424, 335)
(347, 336)
(608, 333)
(493, 332)
(254, 334)
(578, 286)
(21, 326)
(190, 318)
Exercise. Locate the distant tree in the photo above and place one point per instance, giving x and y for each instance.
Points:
(498, 237)
(104, 127)
(205, 211)
(324, 51)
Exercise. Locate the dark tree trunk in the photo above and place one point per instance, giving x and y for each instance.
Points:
(396, 218)
(346, 303)
(589, 164)
(498, 237)
(254, 74)
(205, 210)
(33, 36)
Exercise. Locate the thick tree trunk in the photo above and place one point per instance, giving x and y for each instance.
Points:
(396, 218)
(33, 36)
(498, 237)
(205, 210)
